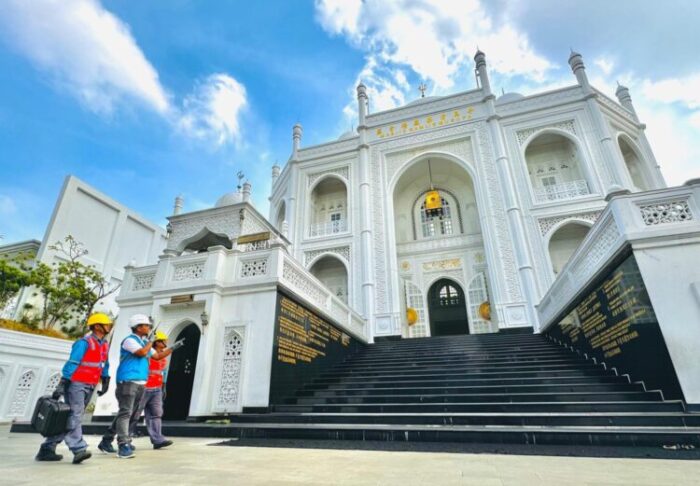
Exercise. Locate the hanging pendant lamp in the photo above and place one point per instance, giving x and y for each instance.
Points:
(433, 201)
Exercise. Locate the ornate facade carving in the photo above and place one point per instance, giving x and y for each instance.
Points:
(566, 126)
(143, 281)
(341, 172)
(188, 271)
(253, 268)
(412, 111)
(614, 107)
(441, 265)
(20, 398)
(605, 240)
(337, 146)
(663, 212)
(546, 224)
(231, 367)
(342, 251)
(52, 383)
(225, 222)
(303, 284)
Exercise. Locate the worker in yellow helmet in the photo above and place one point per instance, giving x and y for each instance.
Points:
(87, 366)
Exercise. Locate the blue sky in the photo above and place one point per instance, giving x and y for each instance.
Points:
(147, 100)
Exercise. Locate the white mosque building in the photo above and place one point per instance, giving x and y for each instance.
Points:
(467, 211)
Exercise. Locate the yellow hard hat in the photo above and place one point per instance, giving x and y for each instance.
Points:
(99, 318)
(161, 336)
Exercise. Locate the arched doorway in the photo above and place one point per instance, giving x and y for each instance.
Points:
(447, 308)
(180, 376)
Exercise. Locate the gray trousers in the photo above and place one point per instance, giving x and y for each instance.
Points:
(77, 397)
(129, 396)
(152, 405)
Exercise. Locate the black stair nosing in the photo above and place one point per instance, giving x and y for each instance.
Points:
(505, 389)
(492, 406)
(461, 370)
(477, 397)
(604, 380)
(429, 357)
(485, 375)
(462, 352)
(482, 418)
(466, 349)
(461, 359)
(463, 363)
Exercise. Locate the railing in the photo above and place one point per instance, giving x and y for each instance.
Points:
(232, 268)
(638, 217)
(565, 190)
(328, 228)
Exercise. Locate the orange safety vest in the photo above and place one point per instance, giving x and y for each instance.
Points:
(156, 369)
(90, 368)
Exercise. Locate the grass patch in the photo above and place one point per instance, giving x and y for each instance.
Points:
(19, 327)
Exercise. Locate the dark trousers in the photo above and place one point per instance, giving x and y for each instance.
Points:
(129, 396)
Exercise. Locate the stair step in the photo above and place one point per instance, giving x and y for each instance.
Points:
(572, 380)
(495, 407)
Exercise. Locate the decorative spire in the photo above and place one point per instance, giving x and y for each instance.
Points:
(422, 87)
(179, 201)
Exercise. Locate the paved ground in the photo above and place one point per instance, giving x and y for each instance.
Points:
(195, 461)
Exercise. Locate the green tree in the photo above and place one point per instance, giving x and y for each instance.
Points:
(69, 288)
(13, 276)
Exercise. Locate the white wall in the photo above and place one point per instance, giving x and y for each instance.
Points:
(30, 367)
(113, 234)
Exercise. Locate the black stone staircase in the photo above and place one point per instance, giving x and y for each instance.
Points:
(489, 388)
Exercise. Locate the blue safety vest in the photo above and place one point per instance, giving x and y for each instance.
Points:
(132, 367)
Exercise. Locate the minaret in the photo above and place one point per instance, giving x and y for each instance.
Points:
(177, 208)
(296, 140)
(482, 72)
(362, 102)
(275, 173)
(623, 96)
(246, 191)
(612, 157)
(579, 70)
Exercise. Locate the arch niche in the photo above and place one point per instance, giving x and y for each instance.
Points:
(634, 163)
(181, 372)
(331, 271)
(556, 168)
(281, 216)
(328, 207)
(564, 242)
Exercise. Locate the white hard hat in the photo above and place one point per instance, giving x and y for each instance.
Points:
(138, 319)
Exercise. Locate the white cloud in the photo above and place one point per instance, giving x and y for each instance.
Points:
(435, 39)
(86, 49)
(7, 205)
(685, 90)
(212, 112)
(605, 64)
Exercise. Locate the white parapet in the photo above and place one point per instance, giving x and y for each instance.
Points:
(30, 366)
(231, 296)
(662, 228)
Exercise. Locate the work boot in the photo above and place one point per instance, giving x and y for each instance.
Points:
(81, 456)
(165, 443)
(106, 447)
(125, 452)
(48, 455)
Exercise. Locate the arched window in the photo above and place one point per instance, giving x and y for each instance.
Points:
(555, 167)
(564, 243)
(634, 164)
(437, 222)
(449, 296)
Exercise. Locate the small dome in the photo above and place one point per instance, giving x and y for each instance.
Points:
(508, 97)
(229, 199)
(423, 100)
(346, 135)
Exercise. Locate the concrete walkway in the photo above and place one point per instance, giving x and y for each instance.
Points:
(194, 461)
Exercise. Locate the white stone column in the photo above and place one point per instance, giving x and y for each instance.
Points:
(367, 255)
(292, 189)
(516, 225)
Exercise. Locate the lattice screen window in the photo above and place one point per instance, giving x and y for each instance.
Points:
(229, 389)
(414, 298)
(52, 383)
(18, 406)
